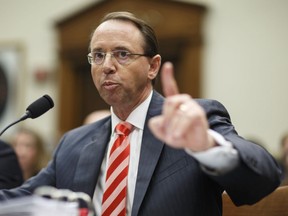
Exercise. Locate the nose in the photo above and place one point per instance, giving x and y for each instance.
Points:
(108, 63)
(108, 57)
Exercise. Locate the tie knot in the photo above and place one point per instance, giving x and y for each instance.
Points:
(123, 128)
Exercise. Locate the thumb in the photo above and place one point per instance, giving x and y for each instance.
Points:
(156, 125)
(168, 81)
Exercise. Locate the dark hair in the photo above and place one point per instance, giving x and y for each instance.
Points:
(151, 47)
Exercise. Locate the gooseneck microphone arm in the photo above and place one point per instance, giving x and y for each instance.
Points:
(25, 116)
(34, 110)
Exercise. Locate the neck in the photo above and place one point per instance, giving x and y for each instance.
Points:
(123, 111)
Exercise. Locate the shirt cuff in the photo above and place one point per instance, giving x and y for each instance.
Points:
(217, 160)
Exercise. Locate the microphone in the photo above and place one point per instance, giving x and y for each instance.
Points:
(85, 204)
(34, 110)
(39, 107)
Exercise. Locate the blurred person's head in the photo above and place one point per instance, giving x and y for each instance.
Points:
(31, 152)
(284, 145)
(96, 115)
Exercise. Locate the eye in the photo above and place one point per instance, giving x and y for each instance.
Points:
(98, 55)
(122, 54)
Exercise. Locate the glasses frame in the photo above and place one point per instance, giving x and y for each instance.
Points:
(112, 54)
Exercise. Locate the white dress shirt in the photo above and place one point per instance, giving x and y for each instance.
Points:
(137, 119)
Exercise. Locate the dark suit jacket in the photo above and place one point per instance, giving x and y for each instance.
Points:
(10, 171)
(169, 181)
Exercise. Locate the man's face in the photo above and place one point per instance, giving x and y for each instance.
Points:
(121, 84)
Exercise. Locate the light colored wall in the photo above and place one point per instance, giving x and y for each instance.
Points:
(246, 65)
(245, 60)
(30, 24)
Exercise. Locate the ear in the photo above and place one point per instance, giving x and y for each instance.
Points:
(154, 68)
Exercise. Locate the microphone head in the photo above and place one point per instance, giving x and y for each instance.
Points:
(39, 107)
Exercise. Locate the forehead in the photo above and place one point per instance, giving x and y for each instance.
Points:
(114, 33)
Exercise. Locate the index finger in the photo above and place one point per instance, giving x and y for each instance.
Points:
(168, 81)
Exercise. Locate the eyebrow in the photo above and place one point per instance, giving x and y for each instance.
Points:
(115, 48)
(121, 48)
(96, 50)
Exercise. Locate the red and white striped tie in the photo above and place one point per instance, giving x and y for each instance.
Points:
(114, 196)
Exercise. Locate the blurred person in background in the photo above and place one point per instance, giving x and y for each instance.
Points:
(95, 116)
(31, 151)
(284, 159)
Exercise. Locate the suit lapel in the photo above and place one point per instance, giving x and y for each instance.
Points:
(151, 149)
(90, 160)
(87, 172)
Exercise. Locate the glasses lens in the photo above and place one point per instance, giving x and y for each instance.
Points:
(99, 57)
(121, 56)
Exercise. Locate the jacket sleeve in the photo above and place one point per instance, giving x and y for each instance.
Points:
(257, 174)
(10, 171)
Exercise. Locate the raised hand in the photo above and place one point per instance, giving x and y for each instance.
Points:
(183, 122)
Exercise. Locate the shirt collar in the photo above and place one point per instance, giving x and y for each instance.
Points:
(137, 117)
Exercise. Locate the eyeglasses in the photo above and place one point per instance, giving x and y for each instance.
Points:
(122, 57)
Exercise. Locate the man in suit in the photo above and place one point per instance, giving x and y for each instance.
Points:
(183, 152)
(10, 171)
